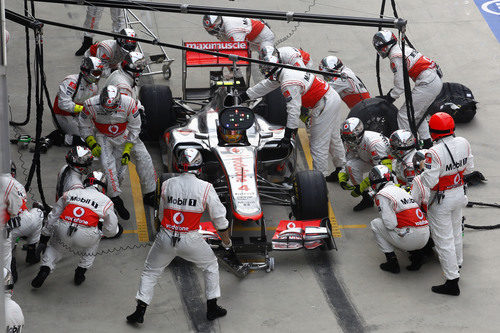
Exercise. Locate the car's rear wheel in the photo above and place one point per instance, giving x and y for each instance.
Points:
(310, 195)
(159, 115)
(377, 115)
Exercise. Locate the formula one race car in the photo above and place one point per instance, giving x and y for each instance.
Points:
(248, 167)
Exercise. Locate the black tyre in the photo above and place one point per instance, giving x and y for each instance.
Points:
(377, 115)
(159, 115)
(311, 195)
(461, 96)
(274, 108)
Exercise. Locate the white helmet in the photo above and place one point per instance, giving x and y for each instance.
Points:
(91, 69)
(330, 64)
(212, 24)
(379, 176)
(110, 98)
(98, 180)
(79, 158)
(127, 45)
(134, 64)
(352, 132)
(190, 160)
(383, 41)
(269, 54)
(402, 142)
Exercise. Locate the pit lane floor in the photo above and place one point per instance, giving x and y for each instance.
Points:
(313, 291)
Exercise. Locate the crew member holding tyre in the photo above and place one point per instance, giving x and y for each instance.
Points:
(422, 70)
(365, 149)
(445, 165)
(75, 223)
(403, 145)
(350, 87)
(73, 91)
(320, 101)
(183, 201)
(110, 124)
(234, 29)
(401, 225)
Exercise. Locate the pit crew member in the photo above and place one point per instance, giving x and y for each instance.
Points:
(14, 318)
(403, 145)
(11, 206)
(78, 159)
(127, 75)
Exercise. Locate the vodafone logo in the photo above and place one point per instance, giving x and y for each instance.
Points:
(78, 212)
(290, 225)
(178, 218)
(113, 129)
(420, 214)
(456, 180)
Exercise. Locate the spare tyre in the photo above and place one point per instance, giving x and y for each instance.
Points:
(459, 95)
(273, 108)
(377, 115)
(158, 113)
(310, 195)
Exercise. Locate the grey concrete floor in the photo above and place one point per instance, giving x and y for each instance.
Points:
(338, 291)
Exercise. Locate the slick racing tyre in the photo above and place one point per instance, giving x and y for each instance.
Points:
(273, 108)
(377, 115)
(311, 196)
(459, 95)
(159, 115)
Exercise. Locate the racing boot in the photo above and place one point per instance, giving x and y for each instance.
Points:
(118, 234)
(150, 199)
(31, 257)
(416, 260)
(334, 176)
(120, 208)
(366, 202)
(87, 42)
(13, 268)
(450, 287)
(138, 315)
(392, 264)
(213, 310)
(41, 276)
(427, 143)
(79, 275)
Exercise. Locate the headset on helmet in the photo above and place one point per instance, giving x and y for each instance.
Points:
(417, 160)
(134, 64)
(189, 160)
(383, 41)
(269, 54)
(441, 124)
(91, 69)
(79, 158)
(110, 97)
(379, 176)
(98, 180)
(352, 132)
(330, 64)
(402, 142)
(212, 24)
(127, 45)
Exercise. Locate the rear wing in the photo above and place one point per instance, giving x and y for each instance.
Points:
(195, 59)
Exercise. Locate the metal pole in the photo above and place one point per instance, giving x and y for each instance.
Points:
(4, 137)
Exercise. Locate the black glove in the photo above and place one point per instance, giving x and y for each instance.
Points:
(388, 98)
(474, 178)
(13, 223)
(286, 142)
(244, 97)
(42, 245)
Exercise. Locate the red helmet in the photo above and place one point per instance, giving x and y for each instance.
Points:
(441, 124)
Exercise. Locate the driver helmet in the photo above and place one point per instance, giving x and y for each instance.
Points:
(352, 132)
(418, 161)
(190, 160)
(269, 54)
(110, 98)
(383, 41)
(379, 176)
(330, 64)
(230, 136)
(79, 159)
(98, 180)
(91, 69)
(212, 24)
(127, 45)
(402, 142)
(134, 64)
